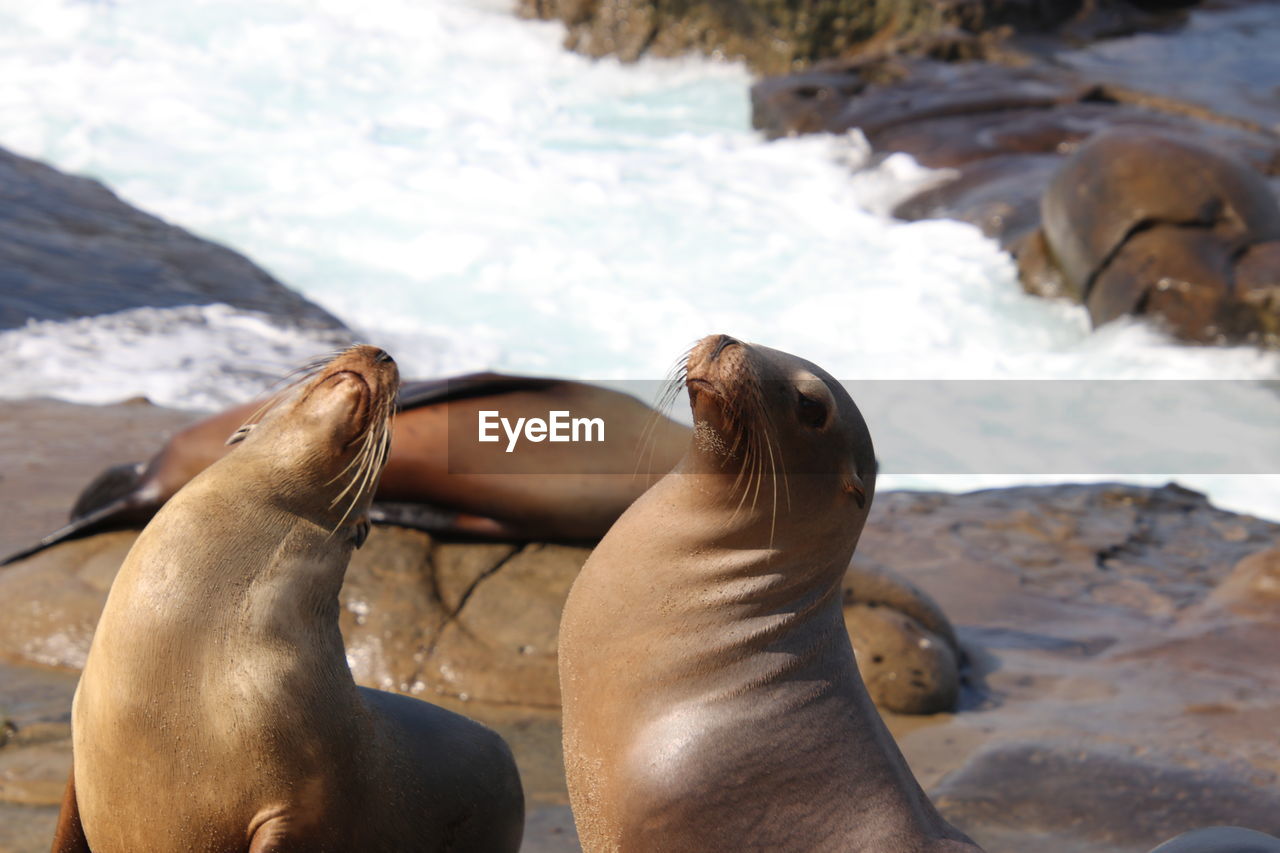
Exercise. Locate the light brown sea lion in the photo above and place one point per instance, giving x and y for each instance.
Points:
(711, 698)
(439, 478)
(217, 712)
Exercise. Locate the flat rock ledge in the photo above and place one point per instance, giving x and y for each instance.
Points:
(1120, 644)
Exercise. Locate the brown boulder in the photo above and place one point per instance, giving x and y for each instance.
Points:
(1144, 223)
(907, 668)
(1020, 792)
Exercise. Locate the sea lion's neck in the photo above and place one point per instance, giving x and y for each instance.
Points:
(748, 535)
(730, 599)
(254, 576)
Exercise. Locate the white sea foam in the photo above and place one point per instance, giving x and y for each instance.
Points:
(454, 185)
(163, 354)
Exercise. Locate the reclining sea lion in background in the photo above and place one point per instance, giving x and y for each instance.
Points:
(555, 492)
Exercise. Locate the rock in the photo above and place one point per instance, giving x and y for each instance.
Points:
(999, 194)
(906, 647)
(1143, 223)
(69, 247)
(906, 667)
(50, 450)
(501, 641)
(774, 37)
(550, 830)
(465, 621)
(472, 622)
(1014, 126)
(771, 36)
(54, 600)
(1099, 621)
(1252, 588)
(1010, 794)
(27, 829)
(35, 774)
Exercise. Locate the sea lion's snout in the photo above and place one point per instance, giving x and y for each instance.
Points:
(705, 370)
(370, 368)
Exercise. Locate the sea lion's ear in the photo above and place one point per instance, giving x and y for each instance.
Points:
(853, 486)
(239, 435)
(360, 531)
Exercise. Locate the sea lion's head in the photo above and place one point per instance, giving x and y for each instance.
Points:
(778, 423)
(323, 442)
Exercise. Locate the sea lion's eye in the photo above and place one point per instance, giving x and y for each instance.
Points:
(812, 413)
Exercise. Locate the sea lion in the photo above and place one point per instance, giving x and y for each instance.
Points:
(439, 478)
(711, 698)
(217, 712)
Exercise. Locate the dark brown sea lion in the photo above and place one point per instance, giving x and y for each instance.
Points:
(711, 699)
(566, 492)
(217, 712)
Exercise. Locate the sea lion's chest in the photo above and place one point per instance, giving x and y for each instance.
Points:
(713, 769)
(183, 735)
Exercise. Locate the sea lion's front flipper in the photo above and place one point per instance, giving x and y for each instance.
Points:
(114, 500)
(69, 835)
(113, 516)
(109, 487)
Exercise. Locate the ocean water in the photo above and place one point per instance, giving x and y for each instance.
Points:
(456, 187)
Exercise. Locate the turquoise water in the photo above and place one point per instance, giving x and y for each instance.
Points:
(454, 185)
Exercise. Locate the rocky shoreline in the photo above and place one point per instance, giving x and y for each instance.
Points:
(1108, 188)
(1122, 636)
(1020, 103)
(1122, 682)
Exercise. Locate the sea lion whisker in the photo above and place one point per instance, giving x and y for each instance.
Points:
(774, 466)
(372, 442)
(359, 462)
(365, 475)
(355, 463)
(670, 391)
(780, 467)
